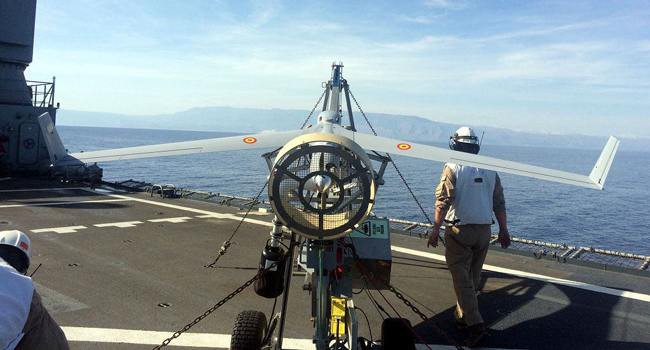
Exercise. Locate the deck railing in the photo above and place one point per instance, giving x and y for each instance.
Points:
(42, 92)
(539, 249)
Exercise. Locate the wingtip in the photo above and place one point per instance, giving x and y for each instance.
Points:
(603, 164)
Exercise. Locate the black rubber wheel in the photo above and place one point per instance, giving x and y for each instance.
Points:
(249, 331)
(397, 334)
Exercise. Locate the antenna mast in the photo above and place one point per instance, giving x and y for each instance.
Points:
(332, 101)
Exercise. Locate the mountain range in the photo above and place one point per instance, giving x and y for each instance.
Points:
(252, 120)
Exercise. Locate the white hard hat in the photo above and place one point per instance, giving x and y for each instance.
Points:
(18, 240)
(465, 140)
(465, 134)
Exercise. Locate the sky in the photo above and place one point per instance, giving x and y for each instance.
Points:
(551, 66)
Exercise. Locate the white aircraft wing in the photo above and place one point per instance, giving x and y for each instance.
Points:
(595, 180)
(255, 141)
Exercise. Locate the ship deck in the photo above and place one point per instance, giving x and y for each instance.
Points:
(111, 259)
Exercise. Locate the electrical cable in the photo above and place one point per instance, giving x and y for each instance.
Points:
(275, 302)
(367, 321)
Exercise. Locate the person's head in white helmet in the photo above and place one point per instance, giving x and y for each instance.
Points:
(464, 140)
(16, 249)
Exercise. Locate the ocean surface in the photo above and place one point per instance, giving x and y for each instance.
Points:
(617, 218)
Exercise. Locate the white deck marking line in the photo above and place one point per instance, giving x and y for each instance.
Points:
(123, 224)
(45, 189)
(535, 276)
(235, 217)
(198, 340)
(206, 213)
(176, 220)
(66, 229)
(46, 204)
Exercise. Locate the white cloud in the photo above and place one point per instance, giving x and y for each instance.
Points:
(446, 4)
(577, 61)
(432, 41)
(424, 43)
(422, 19)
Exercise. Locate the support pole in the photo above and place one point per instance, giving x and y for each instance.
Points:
(328, 87)
(346, 88)
(322, 335)
(288, 270)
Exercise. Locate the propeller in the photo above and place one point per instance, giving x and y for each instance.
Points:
(322, 185)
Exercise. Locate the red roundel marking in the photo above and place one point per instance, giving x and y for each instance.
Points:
(249, 140)
(403, 146)
(24, 245)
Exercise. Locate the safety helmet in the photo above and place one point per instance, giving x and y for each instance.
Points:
(464, 140)
(16, 249)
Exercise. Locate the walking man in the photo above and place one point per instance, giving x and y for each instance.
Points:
(466, 197)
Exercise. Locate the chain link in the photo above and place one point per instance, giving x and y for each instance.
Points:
(424, 317)
(227, 243)
(214, 308)
(312, 110)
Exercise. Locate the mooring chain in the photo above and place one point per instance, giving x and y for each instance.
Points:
(393, 163)
(227, 243)
(214, 308)
(424, 317)
(312, 110)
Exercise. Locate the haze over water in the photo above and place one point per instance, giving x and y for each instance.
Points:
(617, 218)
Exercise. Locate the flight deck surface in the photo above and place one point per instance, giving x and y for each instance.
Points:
(125, 270)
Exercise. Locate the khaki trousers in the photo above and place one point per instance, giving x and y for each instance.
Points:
(467, 246)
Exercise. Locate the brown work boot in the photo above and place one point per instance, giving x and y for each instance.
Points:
(476, 335)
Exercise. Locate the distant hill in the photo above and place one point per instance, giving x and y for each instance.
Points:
(246, 120)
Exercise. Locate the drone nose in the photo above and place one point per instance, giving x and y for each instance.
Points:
(322, 182)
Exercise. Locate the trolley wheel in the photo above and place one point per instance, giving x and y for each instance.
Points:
(396, 333)
(249, 331)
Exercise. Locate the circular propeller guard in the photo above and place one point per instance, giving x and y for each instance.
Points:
(322, 185)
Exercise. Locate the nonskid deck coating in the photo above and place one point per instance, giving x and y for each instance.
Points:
(114, 276)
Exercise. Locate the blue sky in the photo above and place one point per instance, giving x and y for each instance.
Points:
(552, 66)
